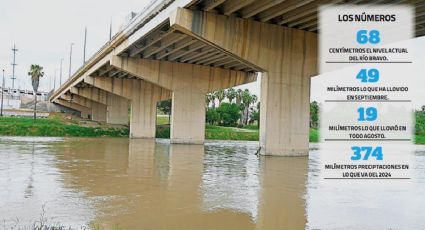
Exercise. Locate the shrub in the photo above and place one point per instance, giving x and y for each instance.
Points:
(229, 114)
(212, 117)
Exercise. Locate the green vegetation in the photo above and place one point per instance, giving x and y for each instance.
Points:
(420, 140)
(162, 120)
(230, 133)
(57, 127)
(228, 115)
(54, 127)
(420, 127)
(314, 135)
(36, 72)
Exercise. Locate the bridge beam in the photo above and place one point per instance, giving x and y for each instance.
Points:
(143, 97)
(288, 58)
(92, 93)
(116, 107)
(85, 111)
(97, 110)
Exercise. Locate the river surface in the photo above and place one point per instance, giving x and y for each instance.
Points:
(118, 183)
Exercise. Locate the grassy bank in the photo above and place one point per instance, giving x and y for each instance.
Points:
(58, 126)
(54, 127)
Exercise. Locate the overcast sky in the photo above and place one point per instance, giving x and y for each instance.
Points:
(44, 29)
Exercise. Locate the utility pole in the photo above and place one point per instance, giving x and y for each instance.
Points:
(54, 80)
(110, 31)
(85, 43)
(14, 49)
(70, 60)
(60, 74)
(2, 89)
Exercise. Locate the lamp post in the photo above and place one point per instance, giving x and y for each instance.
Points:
(60, 74)
(2, 89)
(70, 60)
(54, 80)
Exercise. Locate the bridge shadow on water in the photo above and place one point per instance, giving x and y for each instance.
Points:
(140, 183)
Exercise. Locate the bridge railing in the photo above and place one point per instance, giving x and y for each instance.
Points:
(139, 20)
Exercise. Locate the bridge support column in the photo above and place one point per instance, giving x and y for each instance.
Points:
(117, 110)
(143, 110)
(287, 58)
(188, 117)
(98, 112)
(285, 108)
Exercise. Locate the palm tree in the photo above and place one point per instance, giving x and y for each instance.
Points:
(210, 98)
(220, 95)
(239, 96)
(231, 94)
(246, 102)
(35, 72)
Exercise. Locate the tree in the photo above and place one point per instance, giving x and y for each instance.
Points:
(212, 116)
(239, 93)
(247, 100)
(165, 107)
(255, 115)
(36, 72)
(229, 114)
(314, 114)
(220, 95)
(231, 94)
(420, 122)
(210, 98)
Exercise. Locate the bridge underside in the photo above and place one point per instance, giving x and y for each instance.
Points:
(206, 46)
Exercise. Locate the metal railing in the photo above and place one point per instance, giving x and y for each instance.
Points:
(139, 20)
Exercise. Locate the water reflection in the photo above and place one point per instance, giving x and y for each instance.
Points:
(143, 184)
(138, 183)
(282, 183)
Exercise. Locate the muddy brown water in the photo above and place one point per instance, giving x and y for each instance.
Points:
(117, 183)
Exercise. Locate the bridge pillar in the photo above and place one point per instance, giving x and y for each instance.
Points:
(98, 112)
(143, 110)
(287, 58)
(188, 117)
(117, 110)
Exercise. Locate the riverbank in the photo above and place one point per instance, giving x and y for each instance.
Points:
(58, 125)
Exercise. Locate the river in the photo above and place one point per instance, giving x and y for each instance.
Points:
(117, 183)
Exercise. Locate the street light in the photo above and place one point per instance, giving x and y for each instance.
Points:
(54, 80)
(60, 74)
(70, 59)
(2, 89)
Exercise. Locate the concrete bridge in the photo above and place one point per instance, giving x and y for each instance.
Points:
(183, 49)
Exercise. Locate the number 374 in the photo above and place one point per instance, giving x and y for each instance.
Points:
(364, 152)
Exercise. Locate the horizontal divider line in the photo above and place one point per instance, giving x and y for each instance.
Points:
(397, 62)
(368, 100)
(368, 139)
(367, 178)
